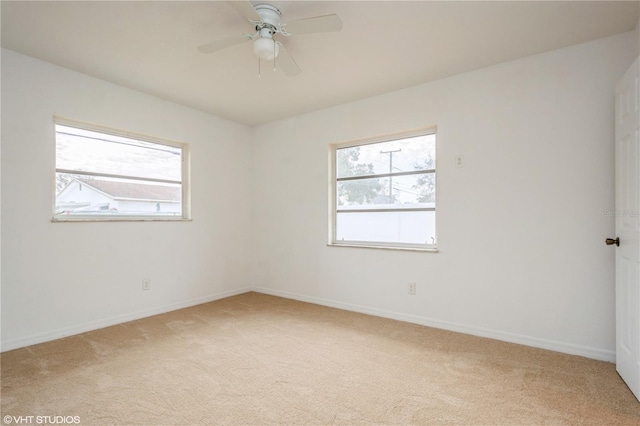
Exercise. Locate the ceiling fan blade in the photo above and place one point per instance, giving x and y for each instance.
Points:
(223, 44)
(319, 24)
(285, 61)
(246, 9)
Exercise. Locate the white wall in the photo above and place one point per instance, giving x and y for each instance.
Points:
(63, 278)
(521, 225)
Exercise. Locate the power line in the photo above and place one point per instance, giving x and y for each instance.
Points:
(121, 142)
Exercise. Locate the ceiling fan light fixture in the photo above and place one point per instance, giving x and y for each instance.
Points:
(266, 48)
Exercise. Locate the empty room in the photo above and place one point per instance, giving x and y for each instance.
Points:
(320, 212)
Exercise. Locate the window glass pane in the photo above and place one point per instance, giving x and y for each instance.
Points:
(402, 155)
(393, 192)
(84, 150)
(387, 227)
(83, 195)
(385, 193)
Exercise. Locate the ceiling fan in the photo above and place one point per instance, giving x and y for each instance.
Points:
(267, 21)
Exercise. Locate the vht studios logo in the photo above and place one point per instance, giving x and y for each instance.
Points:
(41, 420)
(622, 213)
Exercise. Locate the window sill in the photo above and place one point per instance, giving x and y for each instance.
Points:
(396, 248)
(117, 219)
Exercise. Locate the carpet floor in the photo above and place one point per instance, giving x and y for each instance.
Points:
(258, 360)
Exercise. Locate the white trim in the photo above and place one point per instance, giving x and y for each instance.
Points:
(425, 131)
(107, 322)
(122, 218)
(536, 342)
(186, 181)
(332, 213)
(427, 249)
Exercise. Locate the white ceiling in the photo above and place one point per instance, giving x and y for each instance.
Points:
(150, 46)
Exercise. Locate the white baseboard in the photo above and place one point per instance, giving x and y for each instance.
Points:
(567, 348)
(107, 322)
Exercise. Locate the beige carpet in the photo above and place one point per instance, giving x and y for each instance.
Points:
(257, 359)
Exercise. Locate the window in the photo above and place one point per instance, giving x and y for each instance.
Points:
(384, 192)
(109, 175)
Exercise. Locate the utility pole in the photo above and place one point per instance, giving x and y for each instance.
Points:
(391, 152)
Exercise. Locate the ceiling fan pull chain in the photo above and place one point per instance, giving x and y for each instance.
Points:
(274, 54)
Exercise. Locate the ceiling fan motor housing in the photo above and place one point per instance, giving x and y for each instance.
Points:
(271, 18)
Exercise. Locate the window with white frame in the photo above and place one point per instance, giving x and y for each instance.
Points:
(103, 174)
(384, 192)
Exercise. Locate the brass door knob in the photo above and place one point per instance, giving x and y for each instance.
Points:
(611, 241)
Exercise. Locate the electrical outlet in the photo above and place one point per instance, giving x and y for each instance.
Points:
(146, 284)
(411, 288)
(459, 161)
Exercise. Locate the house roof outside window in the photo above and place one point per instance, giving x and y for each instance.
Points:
(134, 191)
